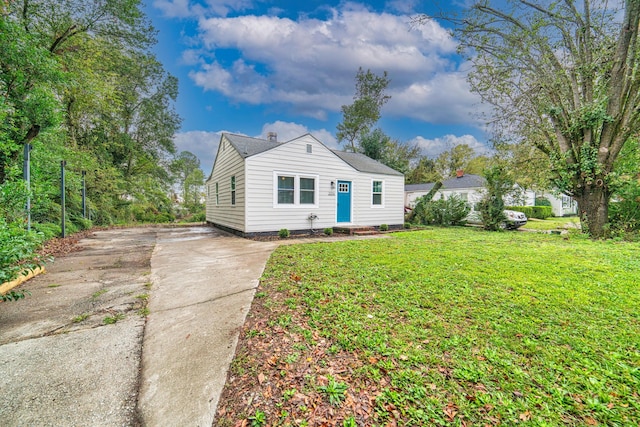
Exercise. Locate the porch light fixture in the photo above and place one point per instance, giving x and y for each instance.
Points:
(333, 185)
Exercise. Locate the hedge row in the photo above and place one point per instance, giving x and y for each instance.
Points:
(539, 212)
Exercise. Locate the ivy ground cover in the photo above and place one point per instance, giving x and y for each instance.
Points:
(449, 326)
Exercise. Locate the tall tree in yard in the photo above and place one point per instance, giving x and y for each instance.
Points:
(359, 117)
(563, 76)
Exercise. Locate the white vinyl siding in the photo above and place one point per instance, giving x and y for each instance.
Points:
(219, 209)
(324, 166)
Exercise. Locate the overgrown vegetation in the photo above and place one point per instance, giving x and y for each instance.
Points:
(491, 206)
(444, 212)
(538, 212)
(79, 83)
(447, 326)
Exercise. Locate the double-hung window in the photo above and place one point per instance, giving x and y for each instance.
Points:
(307, 191)
(217, 194)
(233, 190)
(286, 190)
(376, 192)
(295, 189)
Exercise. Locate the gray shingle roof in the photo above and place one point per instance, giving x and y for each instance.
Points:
(419, 187)
(465, 181)
(362, 163)
(247, 146)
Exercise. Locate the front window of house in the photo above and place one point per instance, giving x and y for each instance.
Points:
(377, 193)
(217, 195)
(307, 191)
(286, 190)
(295, 189)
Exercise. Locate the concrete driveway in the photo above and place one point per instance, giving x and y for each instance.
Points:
(80, 352)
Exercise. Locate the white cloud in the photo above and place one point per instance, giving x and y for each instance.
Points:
(309, 64)
(203, 144)
(287, 131)
(433, 147)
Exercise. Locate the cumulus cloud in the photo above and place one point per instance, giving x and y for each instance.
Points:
(434, 147)
(203, 144)
(288, 130)
(309, 64)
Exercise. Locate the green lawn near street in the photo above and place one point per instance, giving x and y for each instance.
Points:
(458, 326)
(553, 223)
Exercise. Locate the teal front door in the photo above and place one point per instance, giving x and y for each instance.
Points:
(344, 201)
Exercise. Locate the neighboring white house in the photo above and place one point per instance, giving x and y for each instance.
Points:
(261, 186)
(471, 188)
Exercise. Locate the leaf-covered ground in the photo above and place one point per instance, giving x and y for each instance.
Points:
(442, 327)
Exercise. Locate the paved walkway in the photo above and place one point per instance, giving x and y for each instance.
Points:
(63, 362)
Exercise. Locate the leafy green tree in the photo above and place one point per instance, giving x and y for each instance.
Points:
(189, 176)
(566, 79)
(457, 158)
(29, 79)
(425, 171)
(491, 207)
(393, 153)
(359, 117)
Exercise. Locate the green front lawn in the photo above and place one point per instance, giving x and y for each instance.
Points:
(443, 327)
(554, 223)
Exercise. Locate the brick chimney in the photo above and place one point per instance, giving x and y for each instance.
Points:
(272, 137)
(459, 173)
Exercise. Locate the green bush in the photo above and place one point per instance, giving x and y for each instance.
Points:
(17, 250)
(328, 231)
(538, 212)
(407, 225)
(445, 212)
(48, 229)
(542, 201)
(384, 227)
(283, 233)
(624, 213)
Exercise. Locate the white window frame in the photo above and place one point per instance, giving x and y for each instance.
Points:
(296, 190)
(217, 194)
(233, 184)
(382, 193)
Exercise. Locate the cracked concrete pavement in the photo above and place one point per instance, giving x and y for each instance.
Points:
(62, 364)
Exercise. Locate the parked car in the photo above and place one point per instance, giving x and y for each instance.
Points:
(514, 219)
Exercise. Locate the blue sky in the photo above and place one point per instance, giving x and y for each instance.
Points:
(255, 66)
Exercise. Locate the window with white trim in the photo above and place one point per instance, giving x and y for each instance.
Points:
(376, 192)
(233, 190)
(295, 189)
(217, 194)
(286, 190)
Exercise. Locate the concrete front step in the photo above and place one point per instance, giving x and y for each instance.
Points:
(358, 230)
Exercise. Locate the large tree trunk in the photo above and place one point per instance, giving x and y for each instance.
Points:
(593, 208)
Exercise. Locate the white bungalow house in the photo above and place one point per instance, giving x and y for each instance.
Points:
(471, 188)
(261, 186)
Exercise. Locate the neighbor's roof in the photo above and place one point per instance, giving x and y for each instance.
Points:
(465, 181)
(419, 187)
(362, 163)
(247, 146)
